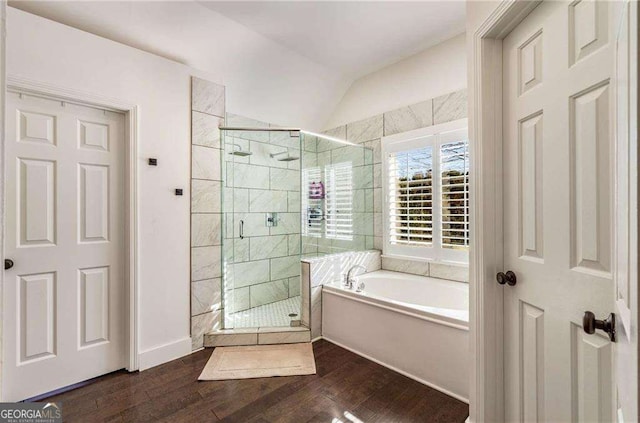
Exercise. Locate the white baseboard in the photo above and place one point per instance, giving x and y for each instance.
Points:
(402, 372)
(164, 353)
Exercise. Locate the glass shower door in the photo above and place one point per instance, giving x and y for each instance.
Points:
(261, 246)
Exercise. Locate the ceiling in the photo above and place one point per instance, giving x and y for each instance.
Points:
(354, 38)
(349, 38)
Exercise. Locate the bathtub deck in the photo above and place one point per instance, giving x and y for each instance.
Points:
(345, 383)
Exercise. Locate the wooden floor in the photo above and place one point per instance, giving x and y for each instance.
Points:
(345, 383)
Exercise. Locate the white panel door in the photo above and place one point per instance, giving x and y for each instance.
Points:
(625, 266)
(64, 297)
(558, 201)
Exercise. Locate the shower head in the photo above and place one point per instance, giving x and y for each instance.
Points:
(238, 151)
(287, 158)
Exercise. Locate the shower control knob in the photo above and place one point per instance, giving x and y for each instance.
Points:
(508, 278)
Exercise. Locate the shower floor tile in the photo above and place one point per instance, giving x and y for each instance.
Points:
(274, 314)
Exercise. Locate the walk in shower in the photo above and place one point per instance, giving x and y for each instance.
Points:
(287, 193)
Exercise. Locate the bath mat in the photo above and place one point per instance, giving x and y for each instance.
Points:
(255, 361)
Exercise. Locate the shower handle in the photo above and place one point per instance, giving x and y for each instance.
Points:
(242, 229)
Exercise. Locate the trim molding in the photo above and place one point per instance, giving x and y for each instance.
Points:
(132, 125)
(3, 100)
(165, 353)
(486, 392)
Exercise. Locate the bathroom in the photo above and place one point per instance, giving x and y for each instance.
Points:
(294, 211)
(303, 237)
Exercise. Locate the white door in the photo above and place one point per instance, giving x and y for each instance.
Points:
(558, 153)
(625, 266)
(63, 302)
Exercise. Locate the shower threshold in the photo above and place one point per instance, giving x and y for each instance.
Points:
(280, 313)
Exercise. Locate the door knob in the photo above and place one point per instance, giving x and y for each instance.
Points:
(590, 324)
(8, 264)
(509, 278)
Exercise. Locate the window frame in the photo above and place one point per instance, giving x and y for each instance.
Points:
(434, 136)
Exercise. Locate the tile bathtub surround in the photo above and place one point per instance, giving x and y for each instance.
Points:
(408, 118)
(453, 272)
(332, 267)
(445, 108)
(316, 312)
(450, 272)
(318, 271)
(414, 267)
(450, 107)
(207, 113)
(366, 129)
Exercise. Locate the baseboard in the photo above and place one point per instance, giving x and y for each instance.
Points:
(402, 372)
(164, 353)
(317, 338)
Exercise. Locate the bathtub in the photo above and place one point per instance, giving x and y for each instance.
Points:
(415, 325)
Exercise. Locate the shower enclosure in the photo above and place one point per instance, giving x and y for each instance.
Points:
(287, 193)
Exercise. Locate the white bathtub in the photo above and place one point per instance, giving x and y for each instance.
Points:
(418, 326)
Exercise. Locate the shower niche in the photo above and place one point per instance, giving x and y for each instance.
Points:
(287, 194)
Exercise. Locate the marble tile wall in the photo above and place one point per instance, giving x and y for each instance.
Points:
(262, 184)
(207, 114)
(321, 153)
(317, 271)
(369, 131)
(264, 267)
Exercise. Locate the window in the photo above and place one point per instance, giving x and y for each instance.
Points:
(411, 197)
(312, 202)
(427, 192)
(339, 201)
(454, 183)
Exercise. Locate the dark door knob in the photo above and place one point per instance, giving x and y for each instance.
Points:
(508, 278)
(590, 324)
(8, 264)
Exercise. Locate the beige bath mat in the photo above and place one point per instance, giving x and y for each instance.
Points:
(260, 361)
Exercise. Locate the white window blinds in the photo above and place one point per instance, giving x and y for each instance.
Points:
(339, 201)
(312, 204)
(454, 171)
(410, 188)
(426, 213)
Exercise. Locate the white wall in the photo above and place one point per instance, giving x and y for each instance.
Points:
(436, 71)
(263, 79)
(52, 53)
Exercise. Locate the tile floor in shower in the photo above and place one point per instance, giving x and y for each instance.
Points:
(274, 314)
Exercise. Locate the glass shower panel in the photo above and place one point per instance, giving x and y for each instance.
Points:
(261, 245)
(338, 190)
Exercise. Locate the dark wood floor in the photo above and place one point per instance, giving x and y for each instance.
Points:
(345, 382)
